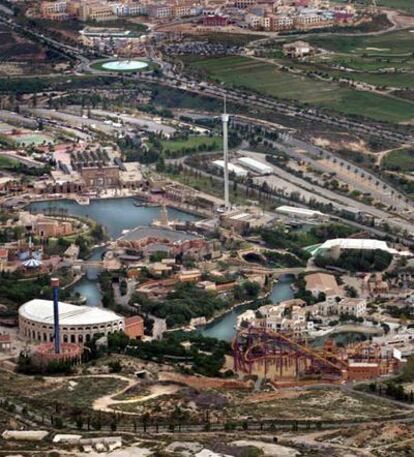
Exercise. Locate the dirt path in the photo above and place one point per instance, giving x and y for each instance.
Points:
(157, 390)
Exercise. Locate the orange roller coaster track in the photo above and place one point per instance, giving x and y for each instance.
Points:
(281, 355)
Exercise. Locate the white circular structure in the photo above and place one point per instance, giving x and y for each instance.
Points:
(78, 324)
(124, 65)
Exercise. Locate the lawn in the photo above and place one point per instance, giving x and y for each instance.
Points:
(192, 142)
(399, 160)
(269, 80)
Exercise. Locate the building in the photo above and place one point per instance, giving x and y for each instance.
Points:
(256, 166)
(297, 49)
(160, 11)
(301, 213)
(351, 306)
(46, 228)
(318, 283)
(5, 342)
(96, 11)
(281, 22)
(101, 177)
(288, 316)
(238, 171)
(334, 247)
(78, 324)
(134, 327)
(375, 285)
(215, 20)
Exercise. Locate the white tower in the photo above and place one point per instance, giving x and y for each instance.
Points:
(225, 120)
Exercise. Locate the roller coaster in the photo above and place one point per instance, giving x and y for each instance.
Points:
(283, 356)
(270, 354)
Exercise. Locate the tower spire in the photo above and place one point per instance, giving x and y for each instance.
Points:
(225, 121)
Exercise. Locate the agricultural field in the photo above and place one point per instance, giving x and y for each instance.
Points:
(267, 79)
(382, 60)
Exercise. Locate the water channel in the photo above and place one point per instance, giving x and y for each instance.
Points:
(117, 215)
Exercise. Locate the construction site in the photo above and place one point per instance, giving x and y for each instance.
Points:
(286, 359)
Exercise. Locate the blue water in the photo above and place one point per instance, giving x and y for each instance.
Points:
(114, 214)
(224, 328)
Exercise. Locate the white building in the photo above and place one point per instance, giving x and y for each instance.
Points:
(301, 213)
(238, 171)
(352, 306)
(256, 166)
(78, 324)
(360, 244)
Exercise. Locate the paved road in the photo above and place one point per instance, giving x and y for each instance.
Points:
(312, 191)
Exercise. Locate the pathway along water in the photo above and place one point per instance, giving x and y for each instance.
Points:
(115, 215)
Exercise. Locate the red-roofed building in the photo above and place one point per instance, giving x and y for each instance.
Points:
(134, 327)
(5, 342)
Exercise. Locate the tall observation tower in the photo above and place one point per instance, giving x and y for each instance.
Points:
(225, 120)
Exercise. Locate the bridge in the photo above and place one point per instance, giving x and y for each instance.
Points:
(275, 272)
(85, 264)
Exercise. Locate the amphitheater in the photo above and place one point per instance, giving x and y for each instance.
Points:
(78, 324)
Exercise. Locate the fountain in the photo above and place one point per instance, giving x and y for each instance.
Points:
(124, 65)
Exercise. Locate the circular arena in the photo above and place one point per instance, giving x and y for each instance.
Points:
(78, 324)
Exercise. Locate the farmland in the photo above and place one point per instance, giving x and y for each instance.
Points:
(267, 79)
(382, 60)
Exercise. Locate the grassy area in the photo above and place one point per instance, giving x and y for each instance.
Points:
(392, 43)
(192, 142)
(399, 160)
(269, 80)
(6, 163)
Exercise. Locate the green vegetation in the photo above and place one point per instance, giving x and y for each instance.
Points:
(279, 238)
(268, 79)
(392, 43)
(399, 160)
(6, 163)
(182, 304)
(357, 260)
(191, 143)
(15, 291)
(205, 355)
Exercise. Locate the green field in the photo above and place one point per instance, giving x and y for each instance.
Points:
(269, 80)
(392, 43)
(191, 142)
(382, 60)
(399, 160)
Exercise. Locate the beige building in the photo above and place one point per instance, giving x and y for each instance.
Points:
(78, 324)
(325, 283)
(96, 11)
